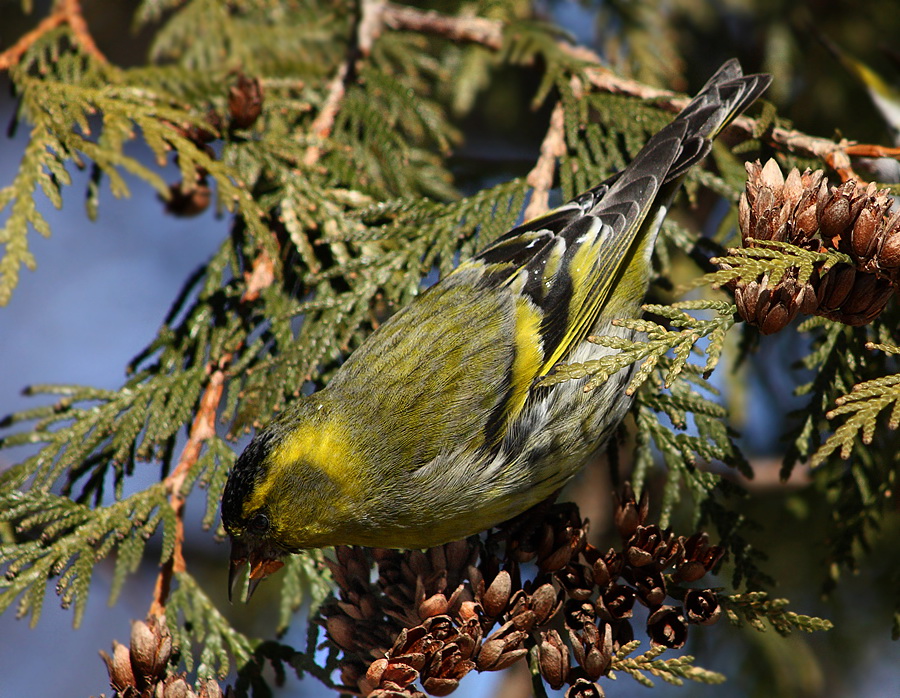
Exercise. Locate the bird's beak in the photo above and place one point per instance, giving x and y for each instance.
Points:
(262, 564)
(239, 556)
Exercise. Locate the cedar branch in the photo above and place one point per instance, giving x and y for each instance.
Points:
(202, 429)
(474, 30)
(365, 31)
(541, 176)
(66, 12)
(489, 33)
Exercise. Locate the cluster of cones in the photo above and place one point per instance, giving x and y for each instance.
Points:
(432, 617)
(854, 218)
(245, 100)
(141, 669)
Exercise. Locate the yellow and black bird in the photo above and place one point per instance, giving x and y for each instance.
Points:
(435, 427)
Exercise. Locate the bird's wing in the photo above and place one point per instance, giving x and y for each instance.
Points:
(567, 262)
(508, 315)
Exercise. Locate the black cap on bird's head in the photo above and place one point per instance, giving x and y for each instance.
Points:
(249, 531)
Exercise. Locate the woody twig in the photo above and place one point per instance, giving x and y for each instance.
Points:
(66, 12)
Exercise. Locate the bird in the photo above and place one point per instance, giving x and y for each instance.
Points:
(437, 426)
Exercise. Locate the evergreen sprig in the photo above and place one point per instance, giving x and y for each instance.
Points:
(62, 108)
(113, 425)
(832, 358)
(195, 621)
(769, 259)
(859, 491)
(861, 407)
(698, 433)
(673, 670)
(305, 579)
(56, 537)
(755, 607)
(660, 341)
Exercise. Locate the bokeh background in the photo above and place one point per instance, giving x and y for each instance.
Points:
(102, 288)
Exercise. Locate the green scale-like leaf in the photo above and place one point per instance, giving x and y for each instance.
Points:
(56, 537)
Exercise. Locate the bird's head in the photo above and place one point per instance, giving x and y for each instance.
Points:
(293, 488)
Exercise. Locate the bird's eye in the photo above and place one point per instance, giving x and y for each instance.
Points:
(258, 523)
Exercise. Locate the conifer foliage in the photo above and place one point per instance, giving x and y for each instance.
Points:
(325, 133)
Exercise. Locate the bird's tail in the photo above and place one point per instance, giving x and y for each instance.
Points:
(725, 96)
(590, 258)
(634, 202)
(661, 164)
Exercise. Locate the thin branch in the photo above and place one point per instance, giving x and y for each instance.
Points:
(836, 154)
(366, 30)
(12, 55)
(202, 429)
(541, 176)
(75, 18)
(324, 122)
(260, 277)
(873, 151)
(474, 30)
(489, 33)
(67, 12)
(371, 24)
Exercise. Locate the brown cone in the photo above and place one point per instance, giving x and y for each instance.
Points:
(853, 218)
